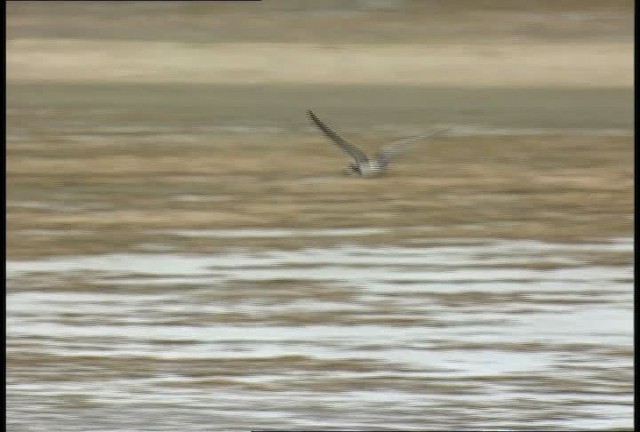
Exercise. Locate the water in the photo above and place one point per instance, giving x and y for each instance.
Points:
(442, 334)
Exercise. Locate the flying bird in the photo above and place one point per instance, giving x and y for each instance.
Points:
(363, 165)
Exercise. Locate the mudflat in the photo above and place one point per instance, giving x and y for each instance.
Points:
(101, 168)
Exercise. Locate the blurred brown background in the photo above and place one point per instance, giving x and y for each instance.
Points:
(117, 110)
(366, 41)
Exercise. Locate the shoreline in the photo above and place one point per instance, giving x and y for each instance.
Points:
(495, 65)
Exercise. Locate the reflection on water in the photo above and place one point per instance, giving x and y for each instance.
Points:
(443, 334)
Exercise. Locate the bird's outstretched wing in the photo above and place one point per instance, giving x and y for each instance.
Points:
(345, 145)
(390, 151)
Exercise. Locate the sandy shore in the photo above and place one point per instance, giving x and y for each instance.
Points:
(605, 64)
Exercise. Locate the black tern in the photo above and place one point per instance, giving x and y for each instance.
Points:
(365, 166)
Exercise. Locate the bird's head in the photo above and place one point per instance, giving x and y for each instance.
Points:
(352, 170)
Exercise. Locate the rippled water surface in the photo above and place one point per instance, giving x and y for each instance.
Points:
(439, 334)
